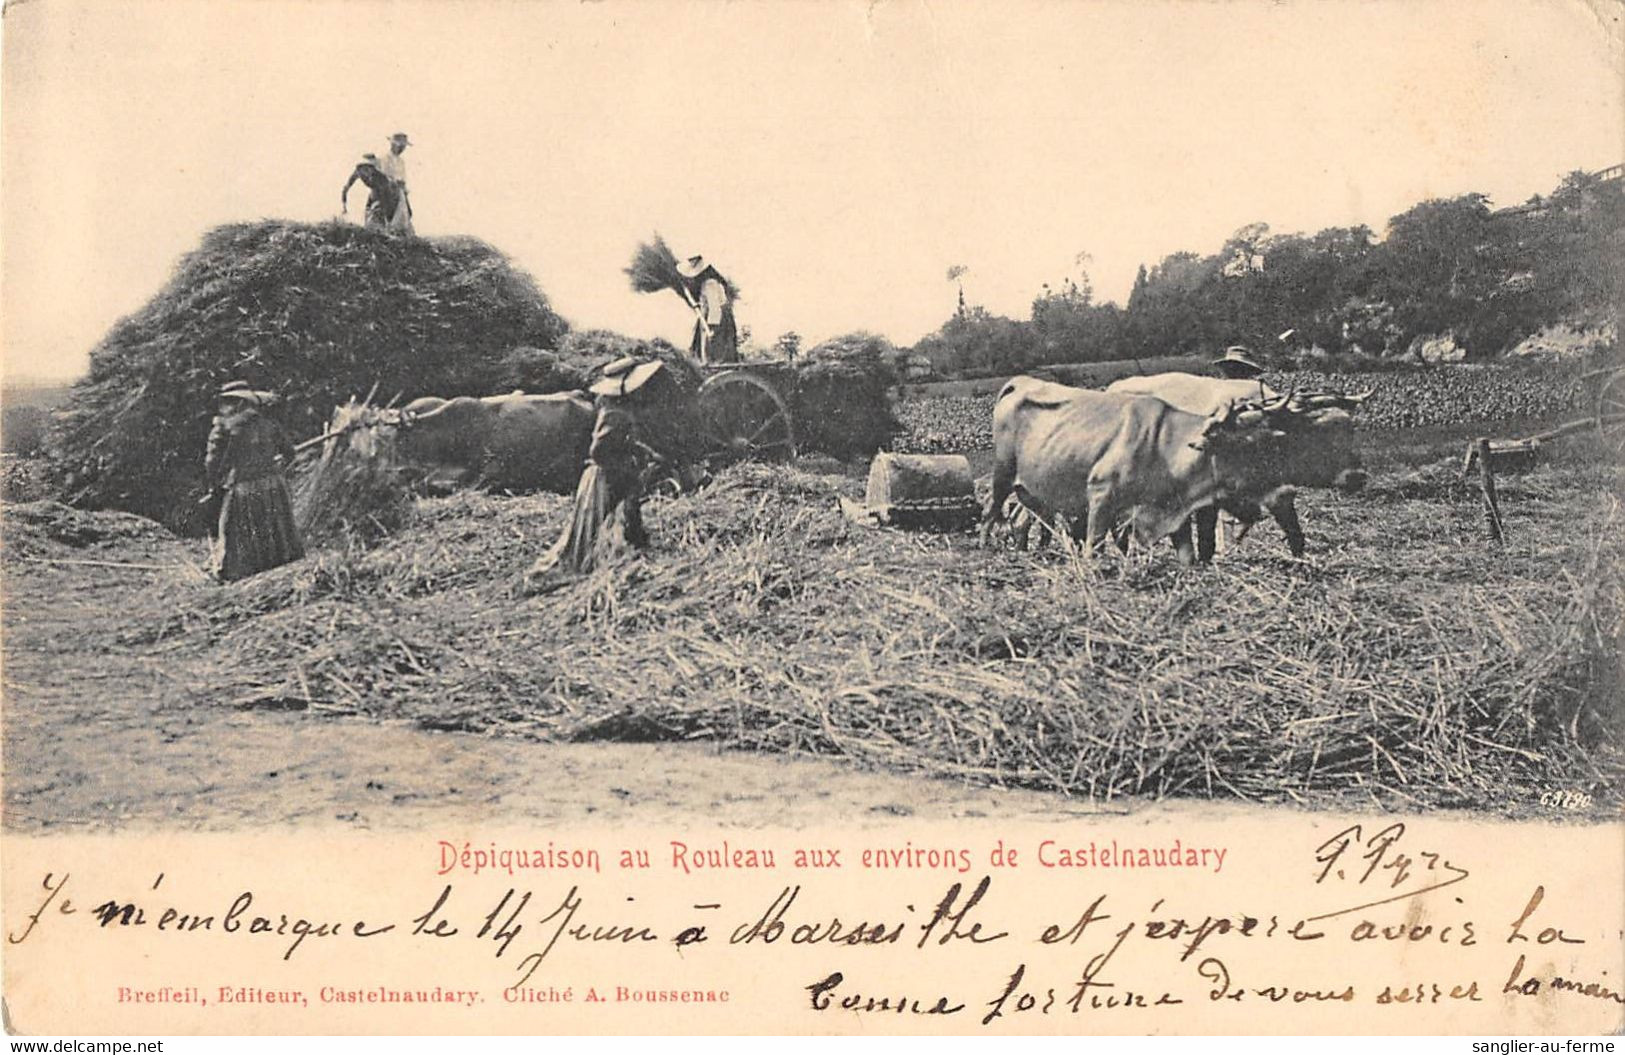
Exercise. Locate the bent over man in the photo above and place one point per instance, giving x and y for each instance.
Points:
(382, 198)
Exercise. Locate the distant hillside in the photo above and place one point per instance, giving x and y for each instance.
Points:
(26, 392)
(25, 413)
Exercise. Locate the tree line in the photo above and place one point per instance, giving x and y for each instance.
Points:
(1447, 268)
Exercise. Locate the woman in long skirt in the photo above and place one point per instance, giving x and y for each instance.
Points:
(608, 514)
(245, 457)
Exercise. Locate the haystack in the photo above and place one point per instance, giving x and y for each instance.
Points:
(842, 403)
(316, 313)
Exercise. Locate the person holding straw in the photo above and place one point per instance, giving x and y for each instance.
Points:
(608, 513)
(707, 293)
(716, 337)
(246, 453)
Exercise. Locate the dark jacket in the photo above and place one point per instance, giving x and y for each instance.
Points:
(245, 446)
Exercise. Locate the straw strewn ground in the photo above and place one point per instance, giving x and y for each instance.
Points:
(1404, 663)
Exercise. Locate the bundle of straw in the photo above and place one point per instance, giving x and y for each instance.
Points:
(350, 493)
(654, 268)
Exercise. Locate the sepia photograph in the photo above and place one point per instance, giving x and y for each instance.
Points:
(812, 518)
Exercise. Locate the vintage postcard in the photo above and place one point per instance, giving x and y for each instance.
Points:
(812, 518)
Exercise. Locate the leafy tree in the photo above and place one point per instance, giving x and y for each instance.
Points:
(788, 345)
(1450, 265)
(1070, 327)
(956, 274)
(1438, 263)
(980, 344)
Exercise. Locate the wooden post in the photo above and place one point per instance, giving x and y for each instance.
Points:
(1486, 480)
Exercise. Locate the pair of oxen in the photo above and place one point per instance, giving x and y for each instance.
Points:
(1154, 455)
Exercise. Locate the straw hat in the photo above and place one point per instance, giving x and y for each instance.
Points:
(239, 390)
(625, 376)
(1236, 355)
(693, 267)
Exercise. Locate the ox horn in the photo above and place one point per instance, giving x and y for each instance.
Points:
(1347, 401)
(1213, 424)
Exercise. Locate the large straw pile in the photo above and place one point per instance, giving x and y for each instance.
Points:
(841, 404)
(315, 313)
(1404, 664)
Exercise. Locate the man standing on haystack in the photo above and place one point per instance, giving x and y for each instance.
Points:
(608, 513)
(716, 339)
(246, 453)
(393, 166)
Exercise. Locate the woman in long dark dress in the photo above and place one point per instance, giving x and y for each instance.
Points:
(608, 514)
(246, 453)
(716, 335)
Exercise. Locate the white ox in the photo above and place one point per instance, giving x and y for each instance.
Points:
(1319, 423)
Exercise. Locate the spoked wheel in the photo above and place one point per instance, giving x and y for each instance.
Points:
(1611, 412)
(743, 417)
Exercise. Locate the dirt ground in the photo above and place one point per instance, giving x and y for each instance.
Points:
(146, 747)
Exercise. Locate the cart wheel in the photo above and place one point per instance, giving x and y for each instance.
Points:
(1611, 413)
(742, 416)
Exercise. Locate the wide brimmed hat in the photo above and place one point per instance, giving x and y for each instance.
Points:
(625, 376)
(240, 390)
(693, 267)
(1236, 355)
(402, 137)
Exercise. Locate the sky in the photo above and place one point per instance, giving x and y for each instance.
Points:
(833, 158)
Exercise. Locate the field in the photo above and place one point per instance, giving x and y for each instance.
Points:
(1404, 663)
